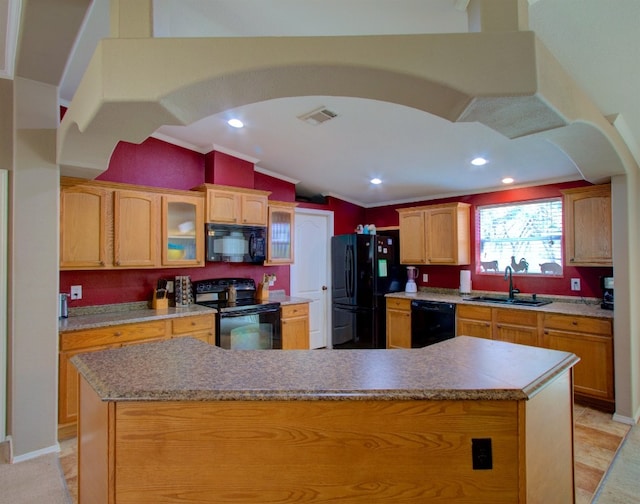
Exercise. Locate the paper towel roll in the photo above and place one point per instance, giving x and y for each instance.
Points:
(465, 282)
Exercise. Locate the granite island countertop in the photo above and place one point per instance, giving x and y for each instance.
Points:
(564, 306)
(185, 369)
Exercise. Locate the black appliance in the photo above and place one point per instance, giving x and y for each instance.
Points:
(431, 322)
(239, 244)
(246, 323)
(364, 268)
(607, 293)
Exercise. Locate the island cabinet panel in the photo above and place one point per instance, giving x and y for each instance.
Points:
(295, 326)
(587, 222)
(309, 450)
(398, 323)
(474, 321)
(591, 339)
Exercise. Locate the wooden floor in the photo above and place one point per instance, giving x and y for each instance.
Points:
(597, 439)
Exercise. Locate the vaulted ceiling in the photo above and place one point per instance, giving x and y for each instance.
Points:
(418, 154)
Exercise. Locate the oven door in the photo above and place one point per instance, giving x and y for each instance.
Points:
(253, 328)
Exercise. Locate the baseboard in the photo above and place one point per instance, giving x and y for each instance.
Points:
(37, 453)
(625, 419)
(6, 450)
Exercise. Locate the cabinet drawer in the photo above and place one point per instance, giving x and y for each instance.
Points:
(399, 304)
(578, 324)
(112, 335)
(295, 310)
(474, 312)
(184, 325)
(517, 317)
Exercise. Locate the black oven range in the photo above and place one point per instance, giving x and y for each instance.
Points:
(242, 322)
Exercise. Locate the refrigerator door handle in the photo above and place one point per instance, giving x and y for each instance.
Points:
(349, 270)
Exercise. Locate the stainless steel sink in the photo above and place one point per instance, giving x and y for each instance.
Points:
(507, 301)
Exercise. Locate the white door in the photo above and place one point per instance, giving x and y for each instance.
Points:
(311, 271)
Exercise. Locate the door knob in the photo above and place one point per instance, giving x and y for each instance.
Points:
(324, 287)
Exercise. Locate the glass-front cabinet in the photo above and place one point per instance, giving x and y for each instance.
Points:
(182, 230)
(280, 232)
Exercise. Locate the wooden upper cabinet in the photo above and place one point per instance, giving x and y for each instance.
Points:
(447, 234)
(182, 230)
(281, 224)
(135, 228)
(412, 245)
(234, 205)
(436, 234)
(84, 227)
(587, 226)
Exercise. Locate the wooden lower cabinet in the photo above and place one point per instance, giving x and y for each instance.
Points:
(92, 340)
(474, 320)
(201, 327)
(294, 320)
(517, 326)
(398, 323)
(591, 339)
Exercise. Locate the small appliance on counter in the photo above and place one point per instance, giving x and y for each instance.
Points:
(607, 293)
(63, 305)
(412, 274)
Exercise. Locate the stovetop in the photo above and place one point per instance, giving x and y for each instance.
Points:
(214, 294)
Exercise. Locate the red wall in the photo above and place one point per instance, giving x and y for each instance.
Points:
(449, 276)
(153, 163)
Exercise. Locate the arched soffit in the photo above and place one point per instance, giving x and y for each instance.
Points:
(134, 86)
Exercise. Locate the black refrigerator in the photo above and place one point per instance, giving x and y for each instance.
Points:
(364, 268)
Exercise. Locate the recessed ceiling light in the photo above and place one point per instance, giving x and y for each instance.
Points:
(507, 180)
(479, 161)
(376, 181)
(236, 123)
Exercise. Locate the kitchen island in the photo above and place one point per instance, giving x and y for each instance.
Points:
(466, 420)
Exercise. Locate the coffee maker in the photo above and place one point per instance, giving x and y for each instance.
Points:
(607, 293)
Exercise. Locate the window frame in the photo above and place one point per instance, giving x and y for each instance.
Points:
(479, 270)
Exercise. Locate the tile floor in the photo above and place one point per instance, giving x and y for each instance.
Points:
(597, 439)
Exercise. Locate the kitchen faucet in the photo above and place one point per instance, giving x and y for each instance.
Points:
(508, 273)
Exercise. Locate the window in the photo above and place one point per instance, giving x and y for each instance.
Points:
(526, 236)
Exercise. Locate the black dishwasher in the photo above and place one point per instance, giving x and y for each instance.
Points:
(431, 322)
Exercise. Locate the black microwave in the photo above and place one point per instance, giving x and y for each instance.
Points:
(239, 244)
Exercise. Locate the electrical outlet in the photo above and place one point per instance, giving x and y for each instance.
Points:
(76, 292)
(425, 277)
(481, 454)
(575, 284)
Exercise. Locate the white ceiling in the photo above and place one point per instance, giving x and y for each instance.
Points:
(417, 155)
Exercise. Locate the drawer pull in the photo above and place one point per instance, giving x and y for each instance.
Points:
(193, 323)
(117, 333)
(575, 322)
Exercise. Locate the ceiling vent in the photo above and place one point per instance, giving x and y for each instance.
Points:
(318, 116)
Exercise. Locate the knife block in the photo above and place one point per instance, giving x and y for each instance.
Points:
(159, 304)
(263, 291)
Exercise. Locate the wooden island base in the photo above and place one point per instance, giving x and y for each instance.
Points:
(329, 451)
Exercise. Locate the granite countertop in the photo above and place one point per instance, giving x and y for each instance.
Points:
(565, 306)
(185, 369)
(133, 315)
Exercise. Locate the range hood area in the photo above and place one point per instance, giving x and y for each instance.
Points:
(506, 80)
